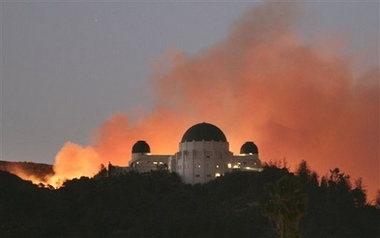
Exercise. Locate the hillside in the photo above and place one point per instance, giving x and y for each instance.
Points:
(158, 204)
(27, 169)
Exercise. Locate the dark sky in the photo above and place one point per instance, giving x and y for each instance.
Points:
(66, 67)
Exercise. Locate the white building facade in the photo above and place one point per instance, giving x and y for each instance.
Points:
(143, 161)
(203, 155)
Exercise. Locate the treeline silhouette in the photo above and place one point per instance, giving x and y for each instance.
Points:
(270, 203)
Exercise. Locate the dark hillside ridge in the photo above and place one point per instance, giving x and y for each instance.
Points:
(158, 204)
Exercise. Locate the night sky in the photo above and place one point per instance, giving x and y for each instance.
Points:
(68, 66)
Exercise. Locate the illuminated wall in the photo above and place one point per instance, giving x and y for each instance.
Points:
(202, 161)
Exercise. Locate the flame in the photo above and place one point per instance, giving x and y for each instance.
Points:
(74, 161)
(260, 84)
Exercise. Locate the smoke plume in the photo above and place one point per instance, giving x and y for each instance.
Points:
(261, 83)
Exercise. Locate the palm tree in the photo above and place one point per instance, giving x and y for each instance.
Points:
(287, 204)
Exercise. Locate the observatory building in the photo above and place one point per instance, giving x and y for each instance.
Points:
(203, 155)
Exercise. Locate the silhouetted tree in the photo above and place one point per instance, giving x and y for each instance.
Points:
(305, 175)
(102, 172)
(287, 204)
(309, 180)
(339, 187)
(359, 194)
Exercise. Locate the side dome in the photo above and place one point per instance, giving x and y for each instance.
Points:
(249, 148)
(141, 147)
(204, 131)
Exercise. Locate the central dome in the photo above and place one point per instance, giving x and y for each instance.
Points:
(141, 147)
(204, 131)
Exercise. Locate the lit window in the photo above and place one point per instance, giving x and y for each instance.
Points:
(229, 165)
(199, 165)
(217, 175)
(137, 162)
(217, 166)
(154, 162)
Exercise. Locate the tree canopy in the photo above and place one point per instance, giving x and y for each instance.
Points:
(158, 204)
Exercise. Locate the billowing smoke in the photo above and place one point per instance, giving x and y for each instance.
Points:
(262, 84)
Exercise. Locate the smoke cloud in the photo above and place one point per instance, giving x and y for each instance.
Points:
(262, 84)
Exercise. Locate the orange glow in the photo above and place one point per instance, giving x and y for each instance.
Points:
(26, 176)
(258, 84)
(73, 161)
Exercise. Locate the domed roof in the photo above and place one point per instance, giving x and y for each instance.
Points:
(204, 131)
(249, 148)
(141, 147)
